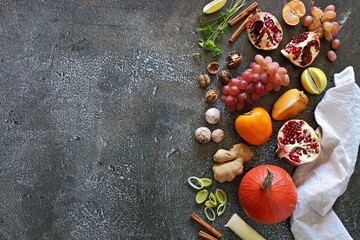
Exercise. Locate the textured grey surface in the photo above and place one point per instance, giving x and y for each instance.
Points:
(99, 102)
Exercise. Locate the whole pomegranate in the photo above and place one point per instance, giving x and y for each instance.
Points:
(298, 143)
(264, 31)
(303, 49)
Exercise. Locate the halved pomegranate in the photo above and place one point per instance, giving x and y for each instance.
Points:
(298, 143)
(303, 49)
(264, 31)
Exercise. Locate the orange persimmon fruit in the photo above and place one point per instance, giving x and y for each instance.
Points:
(255, 127)
(289, 104)
(293, 11)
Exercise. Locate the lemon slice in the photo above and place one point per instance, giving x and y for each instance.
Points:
(214, 6)
(313, 80)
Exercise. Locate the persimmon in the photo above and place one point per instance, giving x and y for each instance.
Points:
(289, 104)
(255, 127)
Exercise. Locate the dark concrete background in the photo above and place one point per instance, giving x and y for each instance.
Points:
(99, 102)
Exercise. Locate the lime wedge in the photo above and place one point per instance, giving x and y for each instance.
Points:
(313, 80)
(214, 6)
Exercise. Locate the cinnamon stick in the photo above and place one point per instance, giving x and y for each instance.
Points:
(208, 227)
(236, 34)
(205, 236)
(243, 14)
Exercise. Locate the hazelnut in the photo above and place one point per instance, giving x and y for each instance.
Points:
(204, 80)
(225, 76)
(213, 67)
(211, 95)
(233, 59)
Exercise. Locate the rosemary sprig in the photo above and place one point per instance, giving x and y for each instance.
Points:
(214, 29)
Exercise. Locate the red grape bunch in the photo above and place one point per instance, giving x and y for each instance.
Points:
(322, 22)
(258, 80)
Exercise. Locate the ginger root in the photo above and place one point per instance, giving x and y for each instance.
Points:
(230, 162)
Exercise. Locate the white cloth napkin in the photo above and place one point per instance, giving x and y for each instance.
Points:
(321, 182)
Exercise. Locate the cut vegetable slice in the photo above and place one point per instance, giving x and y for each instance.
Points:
(195, 182)
(214, 6)
(220, 196)
(206, 182)
(220, 209)
(201, 196)
(209, 213)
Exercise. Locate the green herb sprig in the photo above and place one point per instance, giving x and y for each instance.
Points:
(214, 29)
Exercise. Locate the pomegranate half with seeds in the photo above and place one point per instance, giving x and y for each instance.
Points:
(303, 49)
(298, 143)
(264, 31)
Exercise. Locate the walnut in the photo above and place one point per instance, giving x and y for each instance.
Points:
(204, 80)
(234, 59)
(225, 76)
(213, 67)
(211, 95)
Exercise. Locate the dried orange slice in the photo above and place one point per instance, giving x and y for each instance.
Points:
(293, 11)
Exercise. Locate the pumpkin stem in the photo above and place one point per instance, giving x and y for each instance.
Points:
(267, 183)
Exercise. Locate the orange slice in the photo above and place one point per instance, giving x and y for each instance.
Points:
(293, 11)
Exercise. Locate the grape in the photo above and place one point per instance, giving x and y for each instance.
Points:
(271, 68)
(255, 97)
(234, 82)
(282, 71)
(259, 59)
(328, 36)
(230, 100)
(249, 88)
(256, 77)
(242, 84)
(328, 26)
(234, 90)
(285, 80)
(268, 59)
(331, 55)
(330, 14)
(226, 90)
(242, 96)
(317, 22)
(275, 79)
(240, 106)
(316, 12)
(264, 78)
(247, 76)
(268, 86)
(324, 19)
(231, 108)
(320, 31)
(256, 68)
(222, 98)
(312, 27)
(308, 20)
(335, 43)
(335, 29)
(329, 8)
(248, 102)
(264, 92)
(258, 87)
(276, 87)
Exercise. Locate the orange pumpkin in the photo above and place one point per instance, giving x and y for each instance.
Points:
(267, 194)
(255, 127)
(289, 104)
